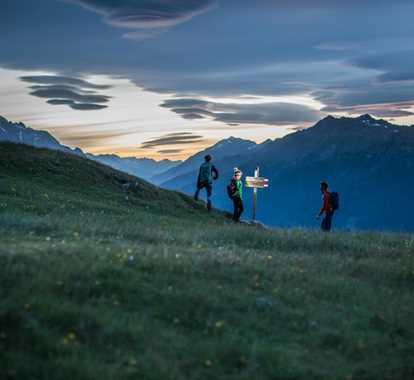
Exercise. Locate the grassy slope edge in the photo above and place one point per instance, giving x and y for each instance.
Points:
(100, 283)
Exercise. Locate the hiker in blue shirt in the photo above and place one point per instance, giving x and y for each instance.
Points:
(206, 175)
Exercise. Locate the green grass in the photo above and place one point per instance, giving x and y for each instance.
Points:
(102, 283)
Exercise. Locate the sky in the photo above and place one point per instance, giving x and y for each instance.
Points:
(166, 78)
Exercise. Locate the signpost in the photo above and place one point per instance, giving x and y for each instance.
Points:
(256, 182)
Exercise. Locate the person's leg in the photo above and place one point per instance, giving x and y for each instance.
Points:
(241, 208)
(238, 208)
(326, 222)
(329, 221)
(235, 209)
(323, 224)
(197, 193)
(209, 189)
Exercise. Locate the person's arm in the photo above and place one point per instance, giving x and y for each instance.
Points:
(215, 172)
(239, 188)
(325, 204)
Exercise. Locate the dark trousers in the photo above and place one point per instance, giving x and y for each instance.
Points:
(209, 190)
(238, 208)
(326, 224)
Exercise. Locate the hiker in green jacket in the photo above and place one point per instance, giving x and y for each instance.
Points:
(206, 175)
(237, 194)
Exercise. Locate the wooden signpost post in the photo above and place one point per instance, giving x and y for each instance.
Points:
(256, 182)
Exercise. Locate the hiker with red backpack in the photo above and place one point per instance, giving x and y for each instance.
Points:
(330, 203)
(235, 193)
(206, 175)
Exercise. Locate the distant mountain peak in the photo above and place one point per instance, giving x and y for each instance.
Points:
(329, 118)
(366, 116)
(365, 120)
(232, 140)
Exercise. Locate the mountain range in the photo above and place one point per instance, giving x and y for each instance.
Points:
(369, 162)
(141, 167)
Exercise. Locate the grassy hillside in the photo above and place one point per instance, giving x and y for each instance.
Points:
(99, 282)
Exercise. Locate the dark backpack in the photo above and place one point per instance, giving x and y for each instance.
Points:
(205, 173)
(231, 189)
(334, 201)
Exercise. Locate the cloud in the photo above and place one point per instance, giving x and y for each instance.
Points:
(169, 151)
(87, 106)
(76, 106)
(173, 139)
(57, 93)
(141, 35)
(328, 49)
(379, 110)
(93, 138)
(63, 80)
(146, 14)
(73, 92)
(274, 113)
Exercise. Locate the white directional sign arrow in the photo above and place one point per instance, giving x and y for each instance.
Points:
(259, 182)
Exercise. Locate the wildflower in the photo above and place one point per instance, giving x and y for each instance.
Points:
(219, 324)
(208, 363)
(269, 257)
(71, 336)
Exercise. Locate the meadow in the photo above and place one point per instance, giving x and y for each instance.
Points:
(104, 276)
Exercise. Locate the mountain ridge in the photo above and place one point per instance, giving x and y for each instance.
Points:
(141, 167)
(368, 161)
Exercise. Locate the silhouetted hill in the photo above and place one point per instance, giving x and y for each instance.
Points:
(369, 162)
(77, 180)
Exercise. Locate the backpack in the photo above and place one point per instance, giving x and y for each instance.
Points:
(334, 201)
(231, 189)
(205, 173)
